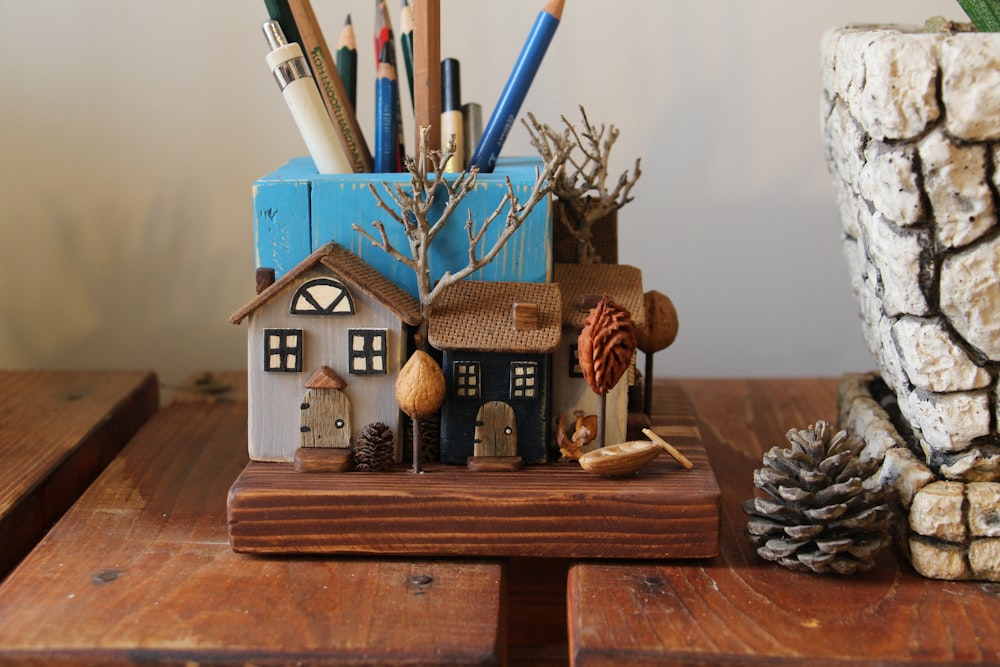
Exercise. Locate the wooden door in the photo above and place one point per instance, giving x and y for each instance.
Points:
(326, 419)
(496, 430)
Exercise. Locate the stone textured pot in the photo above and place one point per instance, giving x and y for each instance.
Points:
(911, 122)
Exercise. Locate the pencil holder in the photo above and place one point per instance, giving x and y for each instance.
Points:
(297, 210)
(312, 261)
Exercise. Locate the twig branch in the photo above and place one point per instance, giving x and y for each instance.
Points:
(583, 187)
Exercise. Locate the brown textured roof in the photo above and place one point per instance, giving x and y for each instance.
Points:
(352, 270)
(478, 316)
(623, 283)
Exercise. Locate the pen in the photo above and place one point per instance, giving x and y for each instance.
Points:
(278, 10)
(472, 128)
(386, 120)
(298, 87)
(516, 89)
(451, 114)
(347, 62)
(331, 87)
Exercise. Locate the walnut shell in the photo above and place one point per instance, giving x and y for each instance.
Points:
(420, 386)
(620, 460)
(661, 322)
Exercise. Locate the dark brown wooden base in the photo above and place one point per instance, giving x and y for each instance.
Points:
(556, 510)
(322, 459)
(494, 463)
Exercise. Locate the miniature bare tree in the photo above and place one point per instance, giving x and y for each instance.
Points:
(420, 390)
(411, 208)
(584, 189)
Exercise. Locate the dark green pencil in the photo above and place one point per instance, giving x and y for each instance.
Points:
(347, 62)
(406, 41)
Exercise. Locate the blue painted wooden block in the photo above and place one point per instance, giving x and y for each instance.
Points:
(297, 210)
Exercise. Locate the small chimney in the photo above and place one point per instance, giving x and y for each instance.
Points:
(525, 316)
(265, 278)
(589, 301)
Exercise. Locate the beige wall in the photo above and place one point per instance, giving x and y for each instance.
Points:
(132, 131)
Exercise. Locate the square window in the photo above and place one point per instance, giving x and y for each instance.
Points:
(283, 350)
(523, 375)
(575, 370)
(466, 379)
(367, 348)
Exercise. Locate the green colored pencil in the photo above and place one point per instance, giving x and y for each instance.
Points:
(347, 62)
(406, 41)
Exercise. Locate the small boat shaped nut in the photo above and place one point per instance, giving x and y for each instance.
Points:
(627, 457)
(621, 459)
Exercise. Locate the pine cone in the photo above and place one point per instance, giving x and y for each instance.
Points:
(374, 450)
(825, 510)
(430, 438)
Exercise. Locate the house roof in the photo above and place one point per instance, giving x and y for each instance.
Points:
(350, 269)
(478, 316)
(621, 282)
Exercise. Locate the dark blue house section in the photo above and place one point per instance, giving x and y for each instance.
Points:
(458, 414)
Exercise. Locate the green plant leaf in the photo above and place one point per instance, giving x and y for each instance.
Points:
(985, 14)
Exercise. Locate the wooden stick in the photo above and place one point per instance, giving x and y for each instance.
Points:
(683, 460)
(427, 70)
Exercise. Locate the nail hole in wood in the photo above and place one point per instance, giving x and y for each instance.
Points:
(102, 577)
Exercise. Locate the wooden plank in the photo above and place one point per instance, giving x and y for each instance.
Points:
(140, 570)
(427, 72)
(739, 609)
(554, 511)
(58, 430)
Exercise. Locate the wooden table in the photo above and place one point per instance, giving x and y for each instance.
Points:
(140, 570)
(738, 609)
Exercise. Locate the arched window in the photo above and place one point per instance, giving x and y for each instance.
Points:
(322, 296)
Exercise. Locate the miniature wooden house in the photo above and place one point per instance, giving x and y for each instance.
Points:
(497, 339)
(582, 286)
(325, 343)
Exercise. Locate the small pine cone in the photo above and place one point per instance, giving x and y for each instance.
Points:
(430, 438)
(374, 450)
(825, 510)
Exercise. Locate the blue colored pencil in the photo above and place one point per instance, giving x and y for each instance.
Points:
(386, 118)
(509, 104)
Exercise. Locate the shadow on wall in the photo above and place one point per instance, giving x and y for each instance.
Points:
(106, 287)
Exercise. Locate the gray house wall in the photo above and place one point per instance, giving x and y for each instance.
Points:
(275, 397)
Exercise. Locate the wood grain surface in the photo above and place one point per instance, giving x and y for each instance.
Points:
(140, 570)
(739, 609)
(58, 430)
(555, 510)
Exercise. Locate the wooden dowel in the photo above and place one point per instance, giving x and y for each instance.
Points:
(427, 70)
(683, 460)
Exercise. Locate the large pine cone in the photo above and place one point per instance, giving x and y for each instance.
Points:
(824, 511)
(374, 450)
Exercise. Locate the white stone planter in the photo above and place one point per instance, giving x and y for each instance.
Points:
(911, 123)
